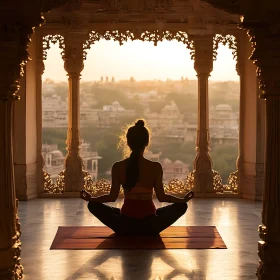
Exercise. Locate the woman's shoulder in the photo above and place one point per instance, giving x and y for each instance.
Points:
(154, 164)
(119, 164)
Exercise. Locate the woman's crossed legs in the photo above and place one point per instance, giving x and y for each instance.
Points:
(150, 225)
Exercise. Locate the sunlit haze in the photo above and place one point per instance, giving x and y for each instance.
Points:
(141, 60)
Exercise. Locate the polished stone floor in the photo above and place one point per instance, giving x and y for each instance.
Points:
(235, 219)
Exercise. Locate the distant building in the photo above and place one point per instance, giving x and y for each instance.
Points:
(54, 160)
(54, 112)
(152, 156)
(224, 124)
(174, 170)
(90, 160)
(112, 113)
(169, 123)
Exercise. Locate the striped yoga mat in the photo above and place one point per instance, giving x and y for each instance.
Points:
(101, 237)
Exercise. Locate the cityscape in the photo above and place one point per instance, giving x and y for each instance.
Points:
(169, 108)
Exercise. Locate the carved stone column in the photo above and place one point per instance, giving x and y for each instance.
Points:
(40, 67)
(251, 124)
(240, 71)
(74, 178)
(25, 129)
(13, 54)
(265, 39)
(203, 64)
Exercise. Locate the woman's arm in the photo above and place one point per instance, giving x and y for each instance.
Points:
(161, 195)
(115, 188)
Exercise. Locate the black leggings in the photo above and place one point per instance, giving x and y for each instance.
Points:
(150, 225)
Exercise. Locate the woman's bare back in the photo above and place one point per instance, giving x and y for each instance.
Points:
(148, 174)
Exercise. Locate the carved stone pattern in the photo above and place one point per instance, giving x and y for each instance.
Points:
(47, 40)
(145, 36)
(232, 183)
(229, 40)
(73, 175)
(148, 5)
(266, 57)
(112, 5)
(15, 272)
(217, 181)
(99, 187)
(50, 186)
(73, 142)
(15, 39)
(52, 4)
(18, 271)
(177, 186)
(158, 5)
(72, 21)
(103, 186)
(20, 35)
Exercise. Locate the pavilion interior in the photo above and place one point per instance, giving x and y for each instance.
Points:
(32, 206)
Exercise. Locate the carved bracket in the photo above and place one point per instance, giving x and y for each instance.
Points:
(48, 39)
(145, 36)
(146, 5)
(229, 40)
(265, 42)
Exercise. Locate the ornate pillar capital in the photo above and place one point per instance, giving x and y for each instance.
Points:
(265, 39)
(73, 56)
(203, 56)
(40, 66)
(240, 57)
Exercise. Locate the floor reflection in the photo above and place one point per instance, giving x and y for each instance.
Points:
(134, 263)
(235, 219)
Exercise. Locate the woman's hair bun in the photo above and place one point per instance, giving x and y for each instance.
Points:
(140, 123)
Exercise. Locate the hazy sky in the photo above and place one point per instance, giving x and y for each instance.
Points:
(142, 60)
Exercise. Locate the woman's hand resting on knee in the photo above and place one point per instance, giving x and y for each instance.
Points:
(85, 195)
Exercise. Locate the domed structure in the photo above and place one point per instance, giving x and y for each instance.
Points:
(171, 107)
(166, 161)
(116, 103)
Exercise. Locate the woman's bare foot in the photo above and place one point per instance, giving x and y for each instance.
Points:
(189, 196)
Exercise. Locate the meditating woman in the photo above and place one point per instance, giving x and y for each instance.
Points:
(138, 177)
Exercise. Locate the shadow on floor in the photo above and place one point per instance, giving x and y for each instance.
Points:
(138, 261)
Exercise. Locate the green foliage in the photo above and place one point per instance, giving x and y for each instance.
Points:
(187, 103)
(156, 107)
(55, 136)
(224, 93)
(224, 159)
(184, 152)
(59, 88)
(105, 141)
